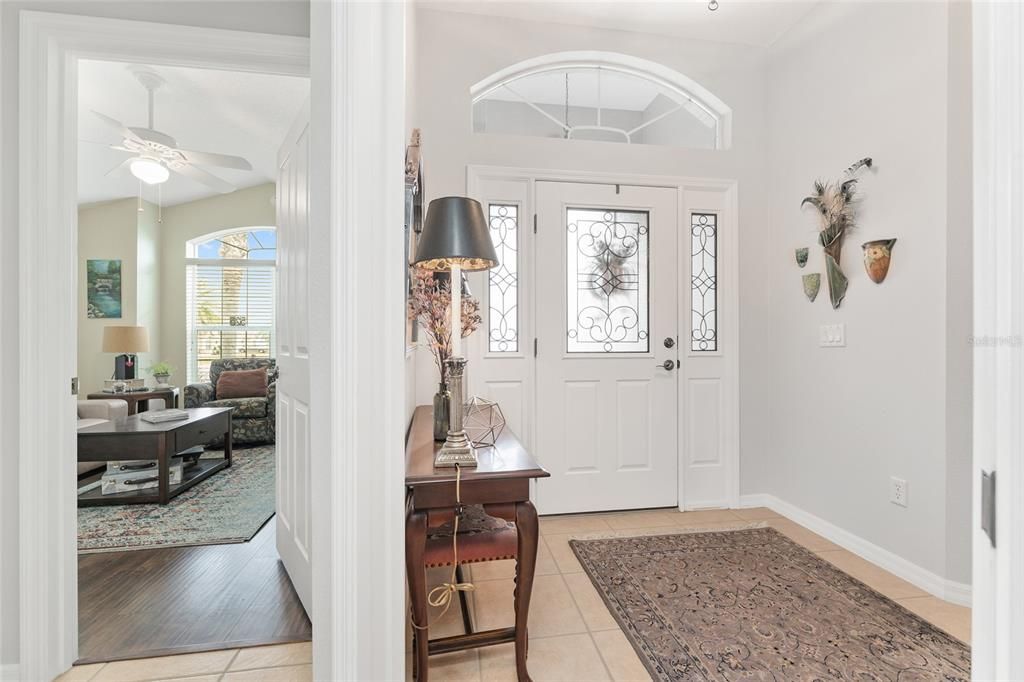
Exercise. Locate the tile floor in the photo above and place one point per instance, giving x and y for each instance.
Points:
(572, 635)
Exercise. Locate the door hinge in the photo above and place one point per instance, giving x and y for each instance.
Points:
(534, 347)
(988, 505)
(618, 190)
(74, 385)
(535, 223)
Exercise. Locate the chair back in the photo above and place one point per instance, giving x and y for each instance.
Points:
(234, 364)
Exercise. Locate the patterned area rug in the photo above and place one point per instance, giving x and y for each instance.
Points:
(230, 506)
(753, 605)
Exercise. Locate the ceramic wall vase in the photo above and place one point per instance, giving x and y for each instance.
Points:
(801, 256)
(877, 256)
(812, 283)
(831, 240)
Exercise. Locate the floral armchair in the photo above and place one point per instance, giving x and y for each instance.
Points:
(254, 419)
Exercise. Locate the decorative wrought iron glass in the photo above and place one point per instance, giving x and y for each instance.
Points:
(607, 282)
(704, 282)
(503, 281)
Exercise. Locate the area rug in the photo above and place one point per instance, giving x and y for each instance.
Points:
(230, 506)
(753, 605)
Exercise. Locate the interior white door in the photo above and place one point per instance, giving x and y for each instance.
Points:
(607, 346)
(294, 500)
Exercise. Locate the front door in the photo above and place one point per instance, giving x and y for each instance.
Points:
(294, 494)
(607, 346)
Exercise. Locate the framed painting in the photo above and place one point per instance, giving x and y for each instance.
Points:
(413, 224)
(103, 288)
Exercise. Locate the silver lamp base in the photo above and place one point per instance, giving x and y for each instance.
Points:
(457, 449)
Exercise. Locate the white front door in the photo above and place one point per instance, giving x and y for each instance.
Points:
(607, 347)
(294, 501)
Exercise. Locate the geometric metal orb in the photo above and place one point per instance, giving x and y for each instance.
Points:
(483, 422)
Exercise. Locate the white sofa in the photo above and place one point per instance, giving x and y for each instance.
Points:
(92, 412)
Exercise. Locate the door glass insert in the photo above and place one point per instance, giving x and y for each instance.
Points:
(503, 281)
(607, 281)
(704, 282)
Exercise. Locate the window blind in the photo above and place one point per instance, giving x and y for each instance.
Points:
(230, 310)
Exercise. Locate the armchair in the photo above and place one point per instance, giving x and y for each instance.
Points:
(92, 412)
(254, 419)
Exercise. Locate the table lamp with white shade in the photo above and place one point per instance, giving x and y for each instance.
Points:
(455, 239)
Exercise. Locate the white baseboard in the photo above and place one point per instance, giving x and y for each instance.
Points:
(9, 672)
(949, 590)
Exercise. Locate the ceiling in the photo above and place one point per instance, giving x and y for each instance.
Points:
(225, 112)
(750, 22)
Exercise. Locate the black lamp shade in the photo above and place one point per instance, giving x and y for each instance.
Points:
(455, 233)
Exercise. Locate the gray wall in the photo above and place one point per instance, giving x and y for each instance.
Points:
(896, 400)
(286, 17)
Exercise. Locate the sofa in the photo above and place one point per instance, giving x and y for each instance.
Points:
(92, 412)
(254, 419)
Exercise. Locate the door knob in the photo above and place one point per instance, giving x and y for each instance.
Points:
(669, 342)
(668, 364)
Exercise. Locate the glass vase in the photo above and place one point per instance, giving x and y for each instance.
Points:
(442, 412)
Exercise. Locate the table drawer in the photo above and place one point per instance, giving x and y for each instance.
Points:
(201, 433)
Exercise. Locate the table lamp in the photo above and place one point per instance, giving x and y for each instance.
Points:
(455, 238)
(126, 342)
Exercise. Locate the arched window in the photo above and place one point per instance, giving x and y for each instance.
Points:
(601, 96)
(230, 296)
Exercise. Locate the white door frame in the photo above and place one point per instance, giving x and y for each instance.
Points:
(998, 594)
(50, 45)
(728, 290)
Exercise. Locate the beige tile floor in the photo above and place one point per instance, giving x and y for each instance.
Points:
(572, 635)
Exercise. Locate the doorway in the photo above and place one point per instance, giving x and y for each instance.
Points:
(611, 342)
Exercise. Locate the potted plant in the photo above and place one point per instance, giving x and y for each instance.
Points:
(162, 372)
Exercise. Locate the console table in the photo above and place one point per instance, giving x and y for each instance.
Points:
(138, 401)
(501, 483)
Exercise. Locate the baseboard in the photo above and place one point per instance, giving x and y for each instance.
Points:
(9, 672)
(949, 590)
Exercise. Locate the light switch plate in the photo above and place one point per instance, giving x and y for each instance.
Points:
(832, 335)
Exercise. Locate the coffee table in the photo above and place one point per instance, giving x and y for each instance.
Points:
(132, 438)
(138, 401)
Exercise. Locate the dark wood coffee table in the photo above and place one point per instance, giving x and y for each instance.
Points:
(132, 438)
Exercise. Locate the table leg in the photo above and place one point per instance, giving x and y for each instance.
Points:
(526, 562)
(227, 443)
(163, 455)
(415, 544)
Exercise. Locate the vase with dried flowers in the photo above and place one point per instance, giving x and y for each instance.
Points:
(836, 213)
(430, 305)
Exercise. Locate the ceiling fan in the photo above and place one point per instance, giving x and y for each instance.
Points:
(155, 155)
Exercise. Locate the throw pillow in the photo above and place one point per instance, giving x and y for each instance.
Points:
(242, 383)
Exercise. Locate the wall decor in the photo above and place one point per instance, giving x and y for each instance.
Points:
(103, 288)
(801, 256)
(836, 214)
(413, 222)
(812, 283)
(877, 256)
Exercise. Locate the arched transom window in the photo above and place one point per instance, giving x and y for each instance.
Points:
(600, 96)
(230, 279)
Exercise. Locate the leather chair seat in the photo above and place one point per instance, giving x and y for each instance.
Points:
(481, 538)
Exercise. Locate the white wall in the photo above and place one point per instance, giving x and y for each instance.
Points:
(287, 17)
(457, 50)
(117, 230)
(855, 80)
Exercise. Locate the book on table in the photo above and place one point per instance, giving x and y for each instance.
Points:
(160, 416)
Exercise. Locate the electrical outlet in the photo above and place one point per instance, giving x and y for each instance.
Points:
(832, 335)
(898, 491)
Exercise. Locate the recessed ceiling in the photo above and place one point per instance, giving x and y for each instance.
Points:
(226, 112)
(750, 22)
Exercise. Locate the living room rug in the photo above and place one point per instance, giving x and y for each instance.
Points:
(230, 506)
(753, 605)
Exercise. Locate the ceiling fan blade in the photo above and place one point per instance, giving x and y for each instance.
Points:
(123, 164)
(219, 160)
(120, 127)
(208, 179)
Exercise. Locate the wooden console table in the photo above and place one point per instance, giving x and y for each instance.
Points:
(501, 483)
(138, 401)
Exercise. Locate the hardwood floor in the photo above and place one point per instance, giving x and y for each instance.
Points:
(162, 601)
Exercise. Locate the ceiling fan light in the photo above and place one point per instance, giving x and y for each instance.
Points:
(149, 171)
